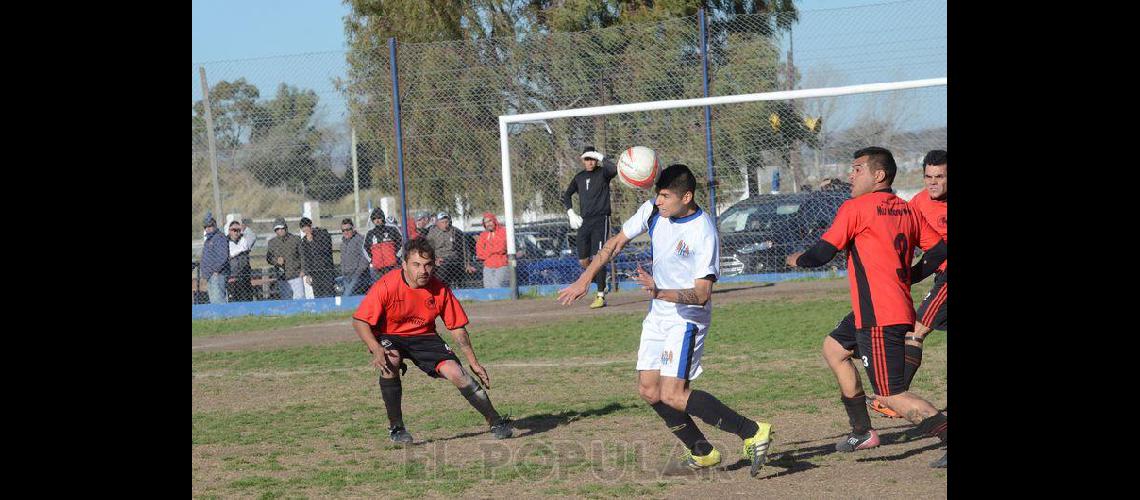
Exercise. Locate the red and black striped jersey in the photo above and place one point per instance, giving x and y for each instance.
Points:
(934, 211)
(879, 231)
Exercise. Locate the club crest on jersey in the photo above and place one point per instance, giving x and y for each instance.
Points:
(666, 357)
(942, 221)
(683, 249)
(430, 301)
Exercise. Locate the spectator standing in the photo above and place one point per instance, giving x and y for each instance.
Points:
(382, 243)
(215, 260)
(285, 256)
(492, 250)
(241, 242)
(446, 241)
(316, 250)
(353, 260)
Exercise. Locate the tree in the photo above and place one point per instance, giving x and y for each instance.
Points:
(233, 108)
(452, 92)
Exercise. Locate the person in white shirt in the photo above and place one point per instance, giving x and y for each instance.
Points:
(241, 240)
(686, 263)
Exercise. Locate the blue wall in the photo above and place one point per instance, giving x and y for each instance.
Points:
(329, 304)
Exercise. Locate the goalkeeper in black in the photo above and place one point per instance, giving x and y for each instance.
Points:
(593, 187)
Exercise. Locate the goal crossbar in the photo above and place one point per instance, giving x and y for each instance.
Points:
(505, 120)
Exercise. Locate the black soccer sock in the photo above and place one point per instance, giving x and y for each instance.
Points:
(708, 408)
(684, 428)
(478, 398)
(912, 359)
(391, 390)
(857, 413)
(600, 280)
(934, 426)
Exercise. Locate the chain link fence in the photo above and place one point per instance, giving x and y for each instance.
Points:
(285, 131)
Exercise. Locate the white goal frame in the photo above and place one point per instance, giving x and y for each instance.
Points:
(505, 120)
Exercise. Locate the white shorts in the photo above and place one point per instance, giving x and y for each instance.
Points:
(673, 346)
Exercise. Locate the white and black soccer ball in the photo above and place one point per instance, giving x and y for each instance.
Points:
(638, 168)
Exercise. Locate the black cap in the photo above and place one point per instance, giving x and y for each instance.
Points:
(377, 214)
(306, 222)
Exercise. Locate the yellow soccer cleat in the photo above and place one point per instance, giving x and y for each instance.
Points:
(756, 448)
(599, 301)
(690, 463)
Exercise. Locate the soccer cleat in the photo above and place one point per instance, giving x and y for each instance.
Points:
(599, 301)
(756, 448)
(502, 429)
(399, 435)
(882, 409)
(856, 442)
(940, 463)
(689, 463)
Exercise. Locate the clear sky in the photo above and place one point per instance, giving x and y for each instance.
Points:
(858, 44)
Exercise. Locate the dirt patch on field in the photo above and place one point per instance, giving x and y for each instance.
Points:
(586, 453)
(527, 312)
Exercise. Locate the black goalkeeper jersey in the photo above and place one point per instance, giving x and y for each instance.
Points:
(593, 190)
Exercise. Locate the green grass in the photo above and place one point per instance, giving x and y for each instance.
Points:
(214, 327)
(260, 417)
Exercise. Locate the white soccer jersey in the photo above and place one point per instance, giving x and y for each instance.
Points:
(685, 249)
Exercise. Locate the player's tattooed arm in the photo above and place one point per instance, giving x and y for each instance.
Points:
(612, 247)
(463, 340)
(697, 295)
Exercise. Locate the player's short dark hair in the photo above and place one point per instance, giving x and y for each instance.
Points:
(347, 221)
(880, 159)
(677, 178)
(935, 157)
(421, 246)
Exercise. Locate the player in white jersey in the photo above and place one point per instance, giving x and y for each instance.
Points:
(686, 263)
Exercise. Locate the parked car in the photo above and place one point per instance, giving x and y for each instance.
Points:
(757, 234)
(550, 255)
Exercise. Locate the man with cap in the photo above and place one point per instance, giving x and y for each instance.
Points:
(316, 249)
(420, 225)
(285, 256)
(241, 240)
(593, 187)
(381, 244)
(447, 241)
(353, 260)
(215, 260)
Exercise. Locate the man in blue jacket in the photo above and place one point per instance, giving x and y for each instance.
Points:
(215, 260)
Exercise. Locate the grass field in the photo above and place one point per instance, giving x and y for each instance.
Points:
(307, 421)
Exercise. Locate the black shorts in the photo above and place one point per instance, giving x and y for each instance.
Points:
(592, 235)
(932, 311)
(879, 349)
(426, 351)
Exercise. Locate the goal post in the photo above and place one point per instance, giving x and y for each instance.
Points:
(506, 120)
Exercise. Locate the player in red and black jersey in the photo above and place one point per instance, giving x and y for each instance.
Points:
(879, 232)
(930, 203)
(396, 320)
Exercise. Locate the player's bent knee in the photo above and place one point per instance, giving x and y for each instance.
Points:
(454, 372)
(651, 395)
(833, 352)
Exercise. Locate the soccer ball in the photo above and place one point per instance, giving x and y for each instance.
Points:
(637, 168)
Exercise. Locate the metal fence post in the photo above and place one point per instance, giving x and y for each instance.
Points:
(708, 115)
(210, 139)
(403, 218)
